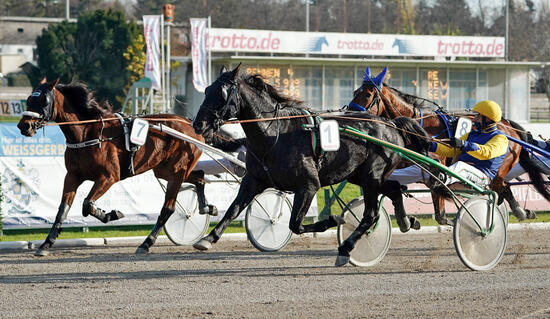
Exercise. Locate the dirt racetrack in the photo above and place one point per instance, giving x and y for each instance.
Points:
(421, 276)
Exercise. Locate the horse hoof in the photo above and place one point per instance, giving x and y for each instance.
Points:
(404, 224)
(142, 250)
(520, 213)
(415, 223)
(203, 244)
(41, 253)
(442, 220)
(341, 261)
(213, 210)
(531, 214)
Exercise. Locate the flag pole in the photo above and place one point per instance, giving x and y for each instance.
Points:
(209, 52)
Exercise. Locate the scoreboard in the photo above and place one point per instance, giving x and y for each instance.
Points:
(282, 78)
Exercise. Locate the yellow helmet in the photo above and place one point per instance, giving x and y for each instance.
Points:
(489, 109)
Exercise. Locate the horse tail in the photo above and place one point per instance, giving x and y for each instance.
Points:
(532, 166)
(226, 144)
(414, 136)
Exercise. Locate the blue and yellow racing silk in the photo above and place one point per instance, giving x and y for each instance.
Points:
(484, 149)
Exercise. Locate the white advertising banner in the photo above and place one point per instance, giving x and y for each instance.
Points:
(266, 41)
(151, 31)
(32, 171)
(198, 53)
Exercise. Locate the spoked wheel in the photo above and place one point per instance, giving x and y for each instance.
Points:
(371, 247)
(479, 251)
(267, 219)
(186, 226)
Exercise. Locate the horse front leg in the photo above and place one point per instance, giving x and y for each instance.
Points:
(89, 207)
(70, 185)
(247, 191)
(168, 208)
(392, 189)
(302, 202)
(370, 217)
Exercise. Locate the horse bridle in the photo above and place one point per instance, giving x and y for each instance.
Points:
(375, 100)
(46, 112)
(231, 97)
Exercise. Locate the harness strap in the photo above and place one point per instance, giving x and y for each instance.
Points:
(445, 118)
(312, 122)
(132, 149)
(84, 144)
(125, 129)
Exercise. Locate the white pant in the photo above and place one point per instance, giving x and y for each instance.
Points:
(413, 174)
(409, 175)
(469, 173)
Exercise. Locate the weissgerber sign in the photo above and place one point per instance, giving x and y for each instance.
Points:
(265, 41)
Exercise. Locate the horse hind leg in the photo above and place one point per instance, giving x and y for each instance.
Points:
(167, 210)
(519, 212)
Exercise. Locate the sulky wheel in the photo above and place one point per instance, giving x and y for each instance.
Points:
(371, 247)
(267, 219)
(479, 248)
(186, 226)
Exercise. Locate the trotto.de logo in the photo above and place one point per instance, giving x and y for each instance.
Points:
(470, 47)
(241, 41)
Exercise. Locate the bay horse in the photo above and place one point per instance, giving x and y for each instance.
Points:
(376, 97)
(98, 154)
(280, 153)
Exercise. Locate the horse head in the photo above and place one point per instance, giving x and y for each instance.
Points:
(221, 103)
(369, 93)
(40, 108)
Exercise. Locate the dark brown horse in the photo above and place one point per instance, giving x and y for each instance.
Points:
(98, 153)
(380, 99)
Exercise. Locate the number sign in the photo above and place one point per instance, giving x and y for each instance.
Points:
(140, 128)
(463, 127)
(330, 135)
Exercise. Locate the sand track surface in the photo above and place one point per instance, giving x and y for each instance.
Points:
(421, 276)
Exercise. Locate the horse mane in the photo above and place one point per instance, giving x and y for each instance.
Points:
(414, 136)
(413, 99)
(83, 99)
(257, 82)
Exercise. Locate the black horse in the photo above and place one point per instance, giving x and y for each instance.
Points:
(280, 153)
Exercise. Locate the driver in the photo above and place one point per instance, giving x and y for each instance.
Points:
(480, 152)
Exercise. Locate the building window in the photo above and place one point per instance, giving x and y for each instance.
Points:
(482, 92)
(20, 30)
(434, 86)
(306, 84)
(462, 89)
(338, 87)
(403, 79)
